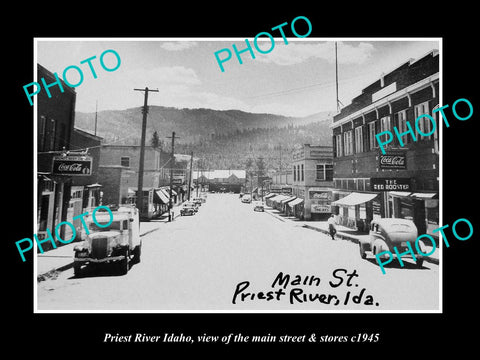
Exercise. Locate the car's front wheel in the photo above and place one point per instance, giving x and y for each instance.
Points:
(363, 253)
(123, 264)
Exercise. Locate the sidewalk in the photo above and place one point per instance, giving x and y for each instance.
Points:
(343, 233)
(61, 258)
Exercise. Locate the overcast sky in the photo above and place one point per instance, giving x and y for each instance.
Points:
(297, 79)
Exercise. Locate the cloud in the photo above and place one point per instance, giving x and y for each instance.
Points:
(296, 53)
(178, 45)
(163, 76)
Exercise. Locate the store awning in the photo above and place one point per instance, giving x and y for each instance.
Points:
(424, 195)
(165, 192)
(354, 199)
(290, 198)
(295, 202)
(161, 196)
(280, 198)
(400, 193)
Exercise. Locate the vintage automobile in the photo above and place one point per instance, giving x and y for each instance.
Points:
(118, 243)
(258, 206)
(387, 233)
(198, 201)
(190, 204)
(246, 199)
(187, 210)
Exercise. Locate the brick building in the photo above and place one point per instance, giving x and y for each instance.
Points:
(404, 182)
(55, 122)
(312, 181)
(118, 171)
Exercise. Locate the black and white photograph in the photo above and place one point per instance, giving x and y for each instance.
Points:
(238, 175)
(223, 179)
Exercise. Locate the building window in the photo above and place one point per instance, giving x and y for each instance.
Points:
(125, 161)
(338, 145)
(402, 125)
(424, 124)
(294, 173)
(384, 126)
(41, 133)
(372, 141)
(324, 172)
(320, 173)
(347, 143)
(359, 139)
(51, 133)
(303, 173)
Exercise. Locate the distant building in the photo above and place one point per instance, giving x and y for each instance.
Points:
(403, 182)
(119, 168)
(220, 180)
(312, 167)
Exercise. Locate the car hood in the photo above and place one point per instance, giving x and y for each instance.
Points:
(103, 234)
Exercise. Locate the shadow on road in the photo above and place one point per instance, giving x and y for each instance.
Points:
(100, 270)
(395, 264)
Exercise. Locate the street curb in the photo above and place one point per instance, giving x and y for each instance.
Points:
(355, 240)
(47, 274)
(343, 236)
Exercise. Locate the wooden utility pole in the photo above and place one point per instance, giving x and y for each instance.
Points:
(172, 163)
(190, 176)
(142, 149)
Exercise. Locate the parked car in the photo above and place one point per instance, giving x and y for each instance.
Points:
(198, 201)
(246, 199)
(191, 204)
(187, 210)
(386, 233)
(119, 243)
(258, 206)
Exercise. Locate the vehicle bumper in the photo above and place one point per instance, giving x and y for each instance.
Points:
(92, 260)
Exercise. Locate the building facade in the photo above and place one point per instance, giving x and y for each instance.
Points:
(119, 169)
(403, 182)
(55, 122)
(312, 169)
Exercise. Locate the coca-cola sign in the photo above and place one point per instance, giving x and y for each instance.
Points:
(72, 165)
(393, 161)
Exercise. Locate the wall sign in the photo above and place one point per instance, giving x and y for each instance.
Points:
(390, 184)
(72, 165)
(393, 161)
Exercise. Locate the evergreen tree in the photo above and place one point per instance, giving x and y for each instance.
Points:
(155, 141)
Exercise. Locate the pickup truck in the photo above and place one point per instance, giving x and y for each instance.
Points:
(119, 243)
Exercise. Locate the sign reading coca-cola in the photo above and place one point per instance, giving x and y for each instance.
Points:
(72, 165)
(393, 161)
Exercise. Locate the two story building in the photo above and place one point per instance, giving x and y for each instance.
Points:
(312, 185)
(403, 182)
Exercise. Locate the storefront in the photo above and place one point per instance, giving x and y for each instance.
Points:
(357, 209)
(421, 208)
(296, 208)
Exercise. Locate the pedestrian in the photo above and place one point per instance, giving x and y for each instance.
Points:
(331, 226)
